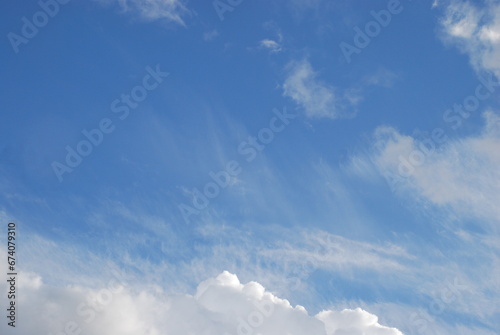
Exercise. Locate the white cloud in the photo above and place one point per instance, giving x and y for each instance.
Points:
(272, 46)
(476, 31)
(317, 98)
(221, 305)
(151, 10)
(332, 252)
(353, 322)
(423, 321)
(210, 35)
(461, 174)
(288, 266)
(383, 77)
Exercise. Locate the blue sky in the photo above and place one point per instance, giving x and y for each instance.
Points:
(364, 180)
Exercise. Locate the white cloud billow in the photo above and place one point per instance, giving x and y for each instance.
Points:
(221, 306)
(317, 98)
(476, 31)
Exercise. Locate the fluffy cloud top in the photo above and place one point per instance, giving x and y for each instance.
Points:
(221, 305)
(476, 31)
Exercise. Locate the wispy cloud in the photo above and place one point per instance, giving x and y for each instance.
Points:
(210, 35)
(454, 183)
(271, 45)
(273, 256)
(275, 44)
(461, 174)
(316, 97)
(151, 10)
(383, 77)
(476, 31)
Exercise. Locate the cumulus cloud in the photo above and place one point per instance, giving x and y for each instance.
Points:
(356, 321)
(476, 31)
(317, 98)
(151, 10)
(221, 305)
